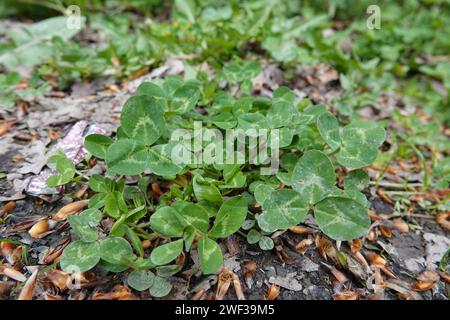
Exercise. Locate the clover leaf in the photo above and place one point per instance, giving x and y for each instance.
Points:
(313, 176)
(85, 224)
(210, 255)
(230, 217)
(80, 256)
(141, 280)
(164, 221)
(167, 252)
(341, 218)
(142, 119)
(97, 144)
(282, 209)
(126, 157)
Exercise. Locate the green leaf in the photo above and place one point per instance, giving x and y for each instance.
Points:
(283, 208)
(161, 287)
(65, 168)
(185, 97)
(97, 144)
(329, 130)
(363, 132)
(99, 183)
(205, 191)
(167, 252)
(85, 224)
(210, 255)
(80, 256)
(112, 204)
(142, 119)
(116, 250)
(153, 90)
(165, 221)
(266, 243)
(186, 8)
(253, 236)
(313, 176)
(341, 218)
(357, 179)
(282, 110)
(192, 215)
(230, 217)
(141, 280)
(262, 192)
(356, 156)
(312, 113)
(126, 157)
(224, 120)
(160, 161)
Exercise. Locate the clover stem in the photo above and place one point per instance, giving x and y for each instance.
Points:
(396, 185)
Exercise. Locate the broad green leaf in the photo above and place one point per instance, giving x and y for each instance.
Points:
(112, 205)
(357, 179)
(224, 120)
(341, 218)
(329, 130)
(97, 144)
(142, 119)
(283, 208)
(282, 110)
(210, 255)
(85, 224)
(185, 98)
(186, 8)
(66, 170)
(266, 243)
(189, 214)
(80, 256)
(310, 114)
(160, 161)
(313, 176)
(32, 41)
(363, 132)
(253, 121)
(140, 280)
(167, 271)
(115, 250)
(126, 157)
(357, 156)
(262, 192)
(165, 221)
(161, 287)
(253, 236)
(99, 183)
(230, 217)
(153, 90)
(205, 191)
(167, 252)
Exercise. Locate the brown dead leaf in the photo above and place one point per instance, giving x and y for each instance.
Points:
(223, 284)
(443, 219)
(273, 292)
(383, 196)
(303, 245)
(326, 248)
(28, 289)
(421, 286)
(445, 276)
(237, 287)
(7, 208)
(69, 209)
(119, 292)
(42, 228)
(12, 273)
(5, 125)
(303, 230)
(346, 295)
